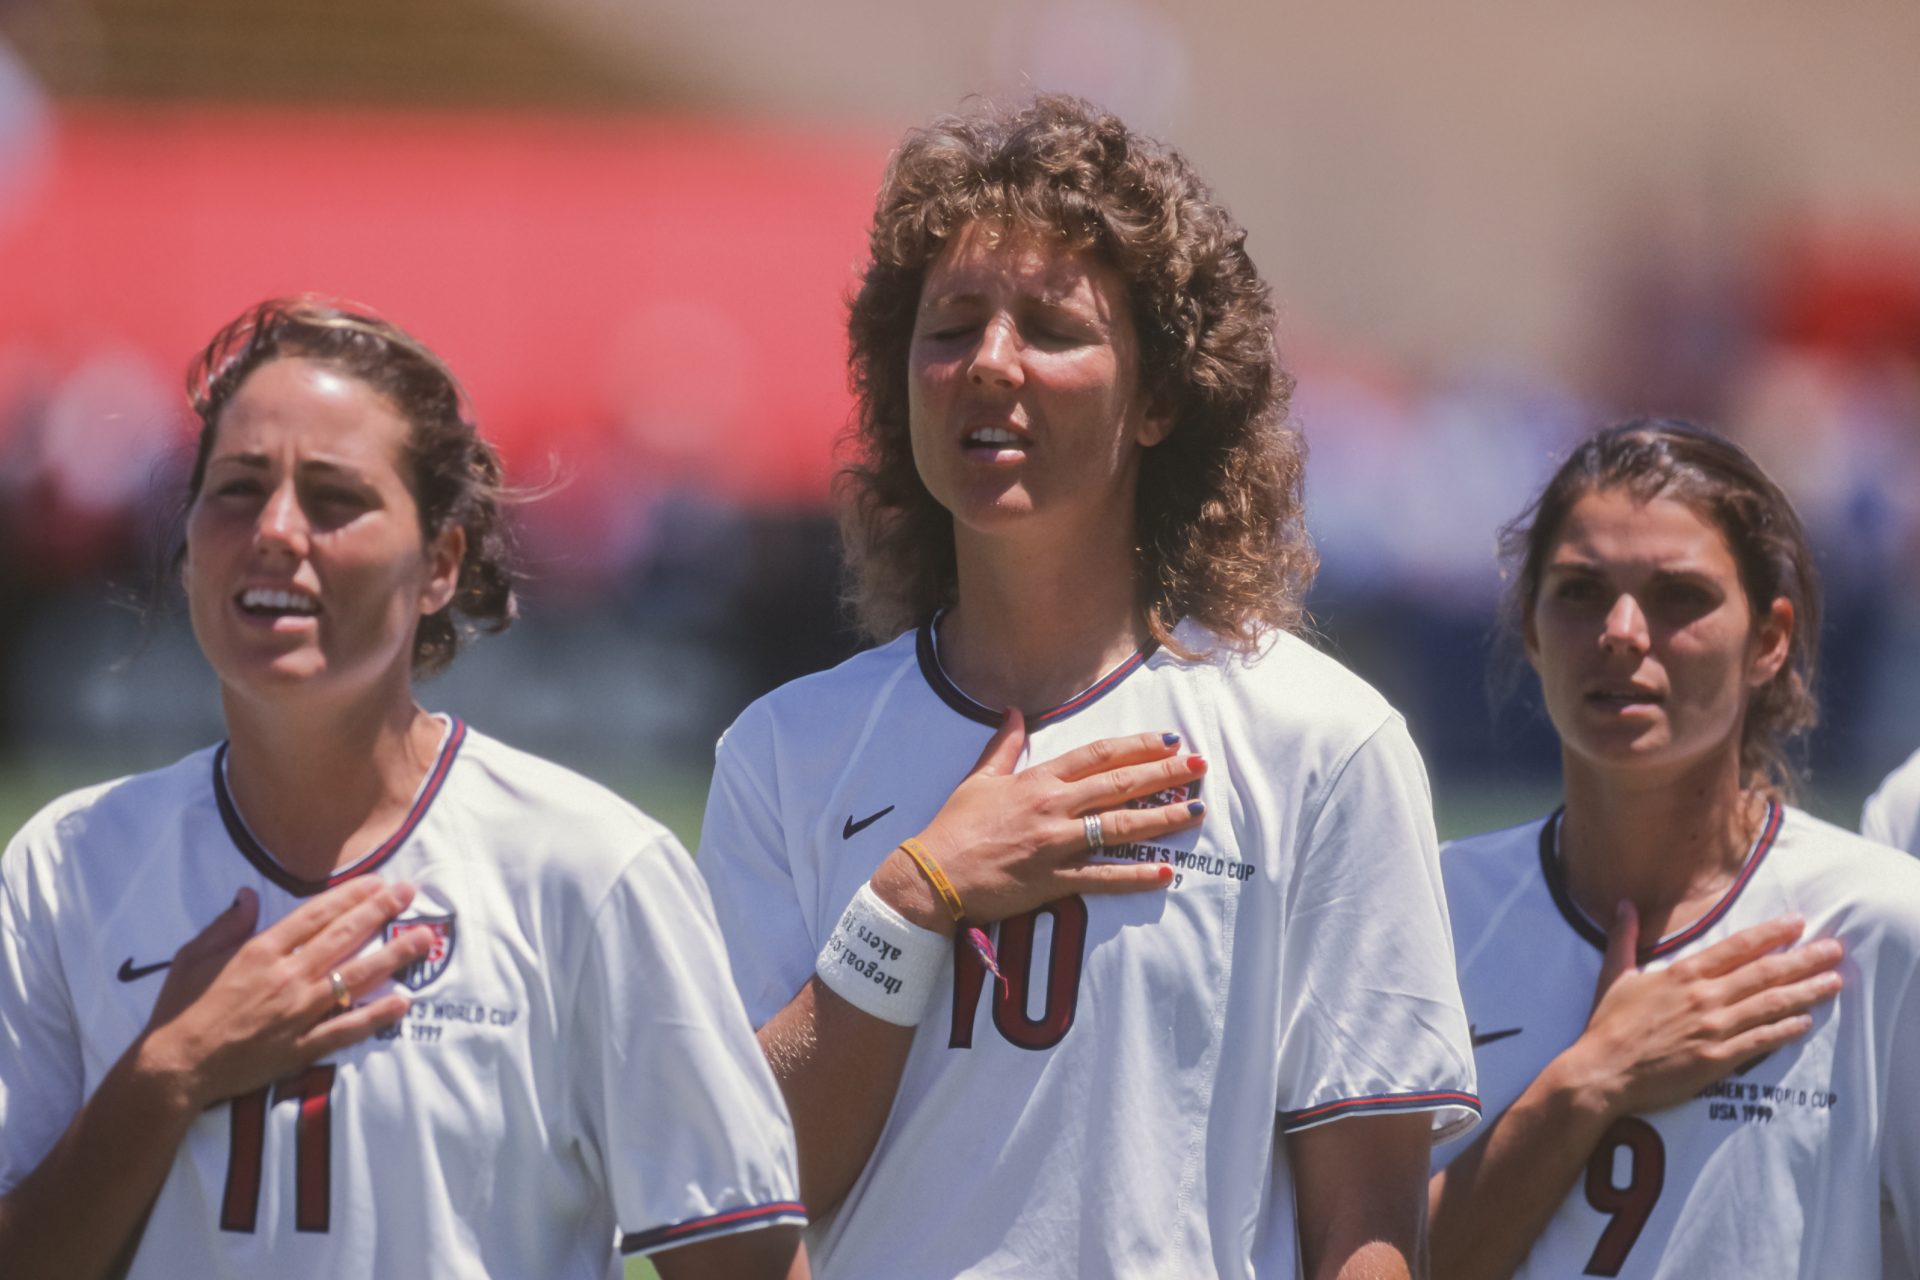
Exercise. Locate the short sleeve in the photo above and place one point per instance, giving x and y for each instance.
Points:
(42, 1080)
(671, 1087)
(1371, 1018)
(743, 856)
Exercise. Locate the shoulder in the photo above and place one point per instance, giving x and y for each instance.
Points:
(1291, 688)
(819, 702)
(1858, 884)
(108, 819)
(1480, 870)
(1504, 847)
(530, 803)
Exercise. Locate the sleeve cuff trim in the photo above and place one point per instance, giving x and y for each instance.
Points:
(1377, 1104)
(782, 1213)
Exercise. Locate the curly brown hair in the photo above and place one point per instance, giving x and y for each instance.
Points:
(454, 475)
(1665, 457)
(1220, 536)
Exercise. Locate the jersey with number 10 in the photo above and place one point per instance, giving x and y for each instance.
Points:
(574, 1062)
(1113, 1111)
(1805, 1163)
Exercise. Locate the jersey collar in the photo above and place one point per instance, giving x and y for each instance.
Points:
(927, 649)
(1553, 869)
(265, 863)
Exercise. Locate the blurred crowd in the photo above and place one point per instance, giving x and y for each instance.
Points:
(674, 600)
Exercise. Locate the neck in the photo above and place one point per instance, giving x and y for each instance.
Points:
(1038, 622)
(321, 788)
(1671, 845)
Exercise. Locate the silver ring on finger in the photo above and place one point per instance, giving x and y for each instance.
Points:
(342, 995)
(1091, 823)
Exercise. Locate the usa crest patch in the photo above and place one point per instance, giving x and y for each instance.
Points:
(1177, 794)
(434, 963)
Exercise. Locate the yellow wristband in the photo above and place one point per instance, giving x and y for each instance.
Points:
(938, 878)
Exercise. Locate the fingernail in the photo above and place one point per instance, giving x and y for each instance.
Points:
(1196, 807)
(1169, 739)
(1196, 764)
(1166, 874)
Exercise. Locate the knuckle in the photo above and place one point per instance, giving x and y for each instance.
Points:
(1102, 752)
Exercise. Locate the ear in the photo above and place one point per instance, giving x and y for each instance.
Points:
(1157, 423)
(1772, 643)
(444, 556)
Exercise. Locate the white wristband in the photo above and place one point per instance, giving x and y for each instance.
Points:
(880, 962)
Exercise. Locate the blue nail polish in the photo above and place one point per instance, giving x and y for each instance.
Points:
(1170, 739)
(1196, 807)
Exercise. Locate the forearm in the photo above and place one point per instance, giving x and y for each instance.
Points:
(838, 1069)
(1492, 1202)
(77, 1211)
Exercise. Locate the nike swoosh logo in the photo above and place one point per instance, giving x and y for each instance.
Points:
(130, 973)
(1491, 1036)
(852, 828)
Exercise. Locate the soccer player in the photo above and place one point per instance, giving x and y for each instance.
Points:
(1676, 1089)
(1172, 1004)
(1892, 813)
(442, 1008)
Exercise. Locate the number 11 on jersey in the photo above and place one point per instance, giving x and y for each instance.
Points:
(312, 1089)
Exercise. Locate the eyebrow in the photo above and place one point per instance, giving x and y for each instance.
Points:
(1059, 299)
(1592, 568)
(260, 462)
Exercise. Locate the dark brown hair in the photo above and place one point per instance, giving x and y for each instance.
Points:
(1666, 458)
(1218, 524)
(454, 475)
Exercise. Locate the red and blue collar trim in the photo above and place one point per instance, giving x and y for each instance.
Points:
(1551, 868)
(267, 866)
(926, 649)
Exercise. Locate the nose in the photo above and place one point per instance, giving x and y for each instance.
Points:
(1626, 627)
(282, 524)
(996, 360)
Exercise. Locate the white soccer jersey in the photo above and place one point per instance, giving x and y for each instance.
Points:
(1796, 1165)
(574, 1065)
(1892, 812)
(1114, 1113)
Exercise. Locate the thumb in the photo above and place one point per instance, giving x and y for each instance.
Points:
(1004, 747)
(230, 928)
(1623, 947)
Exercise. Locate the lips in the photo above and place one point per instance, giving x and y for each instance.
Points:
(1621, 699)
(997, 441)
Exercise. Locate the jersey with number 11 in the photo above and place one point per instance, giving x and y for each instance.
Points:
(573, 1065)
